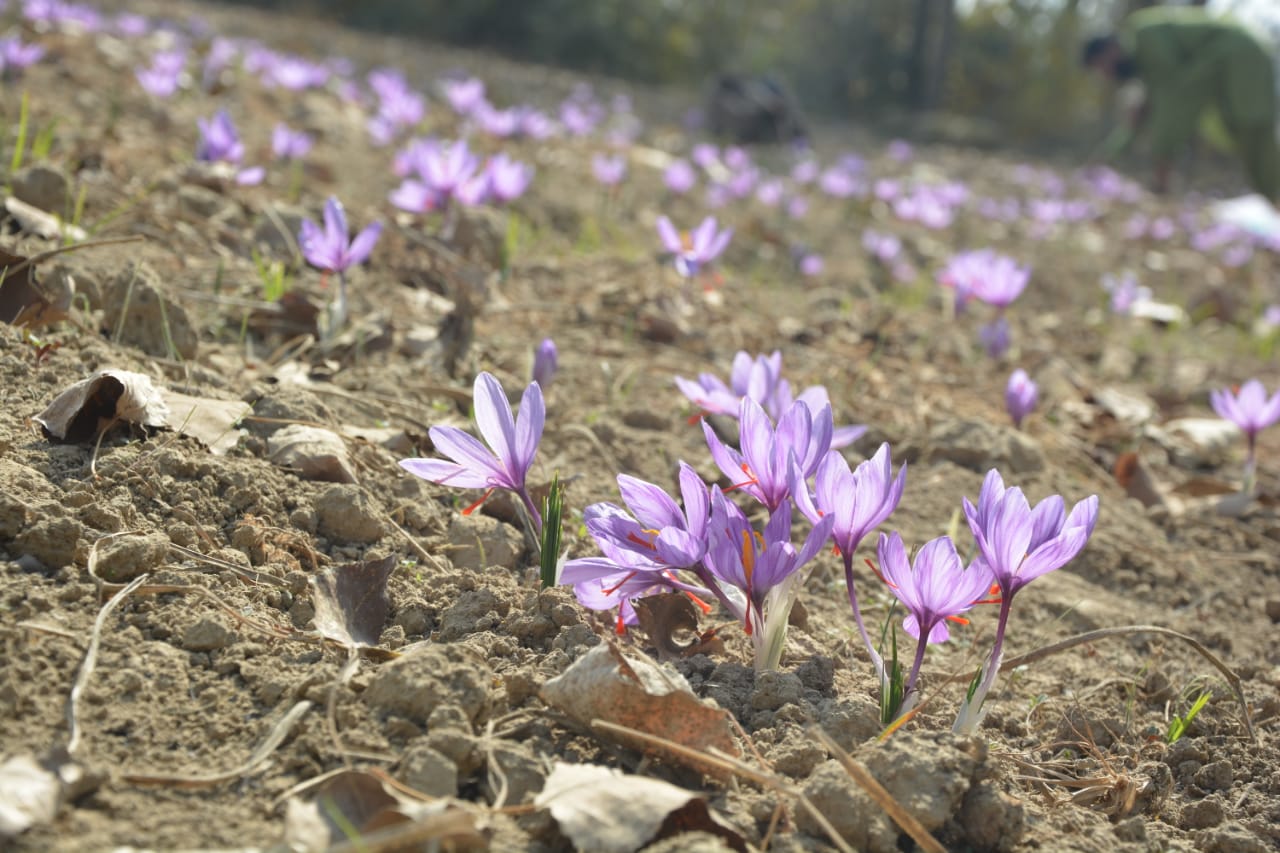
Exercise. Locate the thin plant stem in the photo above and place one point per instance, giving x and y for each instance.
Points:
(876, 660)
(916, 664)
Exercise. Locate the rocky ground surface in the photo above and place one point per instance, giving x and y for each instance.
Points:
(201, 709)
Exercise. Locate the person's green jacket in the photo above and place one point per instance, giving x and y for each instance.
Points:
(1191, 62)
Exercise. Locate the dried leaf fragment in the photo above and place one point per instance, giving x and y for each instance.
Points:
(210, 421)
(667, 618)
(25, 302)
(29, 795)
(637, 693)
(613, 812)
(351, 601)
(314, 453)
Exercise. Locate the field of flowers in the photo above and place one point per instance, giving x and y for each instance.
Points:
(407, 449)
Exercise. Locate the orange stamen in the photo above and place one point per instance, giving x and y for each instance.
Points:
(644, 543)
(475, 506)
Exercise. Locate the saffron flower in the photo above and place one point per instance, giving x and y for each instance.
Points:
(1125, 293)
(506, 179)
(546, 361)
(16, 56)
(994, 337)
(330, 249)
(163, 76)
(985, 275)
(1018, 544)
(762, 468)
(763, 568)
(220, 143)
(464, 95)
(934, 588)
(703, 245)
(761, 380)
(857, 500)
(1020, 396)
(609, 171)
(679, 177)
(505, 462)
(290, 144)
(1252, 411)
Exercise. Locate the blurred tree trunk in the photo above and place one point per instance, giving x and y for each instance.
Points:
(932, 33)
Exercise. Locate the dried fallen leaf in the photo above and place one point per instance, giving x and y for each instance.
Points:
(667, 617)
(351, 601)
(1137, 481)
(609, 811)
(29, 795)
(25, 302)
(209, 421)
(91, 405)
(314, 453)
(41, 223)
(359, 810)
(639, 694)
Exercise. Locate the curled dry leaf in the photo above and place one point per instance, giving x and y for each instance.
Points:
(362, 801)
(613, 812)
(91, 405)
(635, 692)
(24, 301)
(351, 601)
(1137, 481)
(84, 410)
(314, 453)
(670, 617)
(41, 223)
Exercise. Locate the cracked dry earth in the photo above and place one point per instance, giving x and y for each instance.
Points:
(189, 682)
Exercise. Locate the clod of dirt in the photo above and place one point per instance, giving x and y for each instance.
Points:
(427, 770)
(312, 453)
(979, 446)
(849, 810)
(604, 810)
(775, 689)
(521, 769)
(52, 541)
(43, 186)
(345, 513)
(199, 203)
(207, 635)
(1201, 814)
(120, 559)
(140, 315)
(480, 542)
(993, 820)
(637, 693)
(474, 610)
(429, 677)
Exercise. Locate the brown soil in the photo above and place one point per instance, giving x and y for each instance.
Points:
(184, 688)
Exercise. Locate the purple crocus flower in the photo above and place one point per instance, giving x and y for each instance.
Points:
(761, 469)
(885, 248)
(329, 249)
(1252, 411)
(507, 178)
(763, 568)
(219, 140)
(986, 275)
(16, 56)
(546, 361)
(1019, 544)
(290, 144)
(995, 337)
(1020, 396)
(464, 95)
(934, 588)
(679, 177)
(1125, 292)
(704, 245)
(162, 78)
(857, 501)
(609, 170)
(445, 168)
(811, 265)
(760, 378)
(505, 462)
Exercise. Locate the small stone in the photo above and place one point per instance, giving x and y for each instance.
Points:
(1201, 814)
(521, 768)
(428, 771)
(207, 635)
(480, 542)
(138, 312)
(45, 187)
(123, 558)
(413, 686)
(1216, 776)
(1132, 830)
(345, 513)
(775, 689)
(1273, 609)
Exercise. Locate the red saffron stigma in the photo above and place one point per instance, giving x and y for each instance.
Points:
(873, 568)
(611, 590)
(959, 620)
(621, 627)
(475, 506)
(702, 605)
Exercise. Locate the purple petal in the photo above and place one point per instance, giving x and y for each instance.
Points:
(445, 473)
(531, 419)
(669, 235)
(652, 506)
(363, 244)
(464, 449)
(493, 417)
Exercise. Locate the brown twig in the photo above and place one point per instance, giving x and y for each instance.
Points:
(877, 792)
